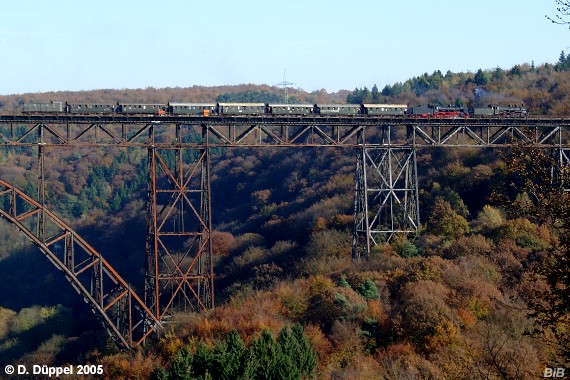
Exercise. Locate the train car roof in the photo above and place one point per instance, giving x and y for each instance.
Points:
(385, 105)
(338, 105)
(243, 104)
(291, 105)
(142, 104)
(91, 104)
(50, 102)
(191, 104)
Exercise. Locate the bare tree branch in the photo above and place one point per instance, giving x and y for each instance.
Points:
(563, 18)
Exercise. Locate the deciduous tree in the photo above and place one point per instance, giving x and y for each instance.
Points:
(544, 180)
(444, 221)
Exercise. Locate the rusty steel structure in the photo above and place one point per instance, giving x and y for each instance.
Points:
(179, 251)
(179, 269)
(125, 316)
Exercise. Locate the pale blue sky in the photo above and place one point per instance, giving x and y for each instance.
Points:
(82, 45)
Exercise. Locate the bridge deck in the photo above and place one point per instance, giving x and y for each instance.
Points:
(269, 130)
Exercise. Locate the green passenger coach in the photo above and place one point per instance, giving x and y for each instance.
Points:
(385, 109)
(241, 108)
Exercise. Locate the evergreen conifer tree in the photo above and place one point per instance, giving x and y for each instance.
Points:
(181, 368)
(263, 356)
(343, 283)
(202, 362)
(368, 290)
(288, 368)
(307, 357)
(228, 358)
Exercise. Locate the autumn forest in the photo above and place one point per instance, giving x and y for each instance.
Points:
(480, 293)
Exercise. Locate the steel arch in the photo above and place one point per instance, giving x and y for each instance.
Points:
(122, 312)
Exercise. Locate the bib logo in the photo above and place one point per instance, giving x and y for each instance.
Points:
(554, 372)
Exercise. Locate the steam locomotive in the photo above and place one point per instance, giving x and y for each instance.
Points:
(211, 109)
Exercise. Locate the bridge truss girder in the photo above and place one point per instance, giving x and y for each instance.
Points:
(259, 131)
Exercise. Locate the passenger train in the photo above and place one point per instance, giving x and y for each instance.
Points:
(215, 109)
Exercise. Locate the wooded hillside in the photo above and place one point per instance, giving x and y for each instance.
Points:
(459, 301)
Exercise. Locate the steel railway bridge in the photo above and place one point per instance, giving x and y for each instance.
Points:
(179, 269)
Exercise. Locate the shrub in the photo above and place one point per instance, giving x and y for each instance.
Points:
(489, 218)
(368, 290)
(525, 233)
(405, 248)
(333, 304)
(421, 308)
(329, 243)
(469, 245)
